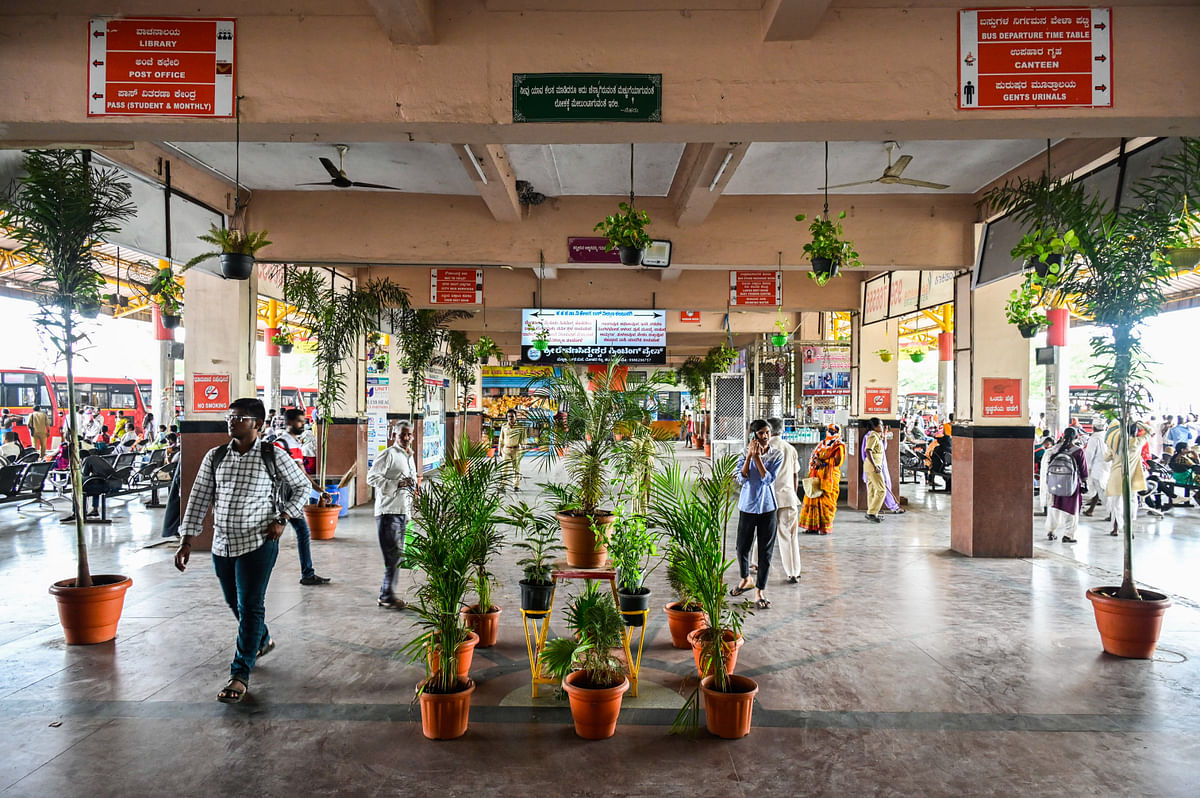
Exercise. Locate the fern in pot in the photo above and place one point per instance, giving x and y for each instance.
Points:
(236, 249)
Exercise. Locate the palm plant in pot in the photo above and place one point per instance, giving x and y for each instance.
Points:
(695, 513)
(592, 677)
(626, 233)
(59, 212)
(235, 249)
(540, 542)
(166, 293)
(442, 548)
(828, 250)
(419, 336)
(586, 430)
(459, 361)
(338, 319)
(1117, 277)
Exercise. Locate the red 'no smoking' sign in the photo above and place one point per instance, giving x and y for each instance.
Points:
(210, 393)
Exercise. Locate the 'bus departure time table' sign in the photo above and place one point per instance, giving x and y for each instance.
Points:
(1035, 58)
(161, 66)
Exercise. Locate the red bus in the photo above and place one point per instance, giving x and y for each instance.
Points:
(20, 391)
(145, 387)
(112, 396)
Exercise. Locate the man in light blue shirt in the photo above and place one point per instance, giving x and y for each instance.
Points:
(1180, 433)
(756, 474)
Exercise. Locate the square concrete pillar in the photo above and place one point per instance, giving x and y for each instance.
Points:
(856, 489)
(991, 505)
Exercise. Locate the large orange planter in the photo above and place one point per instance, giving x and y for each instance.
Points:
(595, 711)
(465, 652)
(322, 521)
(728, 714)
(90, 614)
(580, 541)
(682, 623)
(444, 715)
(1128, 628)
(485, 624)
(729, 649)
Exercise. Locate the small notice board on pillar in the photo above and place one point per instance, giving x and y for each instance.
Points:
(877, 400)
(210, 393)
(1001, 397)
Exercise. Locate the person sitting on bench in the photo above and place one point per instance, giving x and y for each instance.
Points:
(97, 466)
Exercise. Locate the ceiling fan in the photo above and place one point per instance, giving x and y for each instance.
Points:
(892, 174)
(338, 174)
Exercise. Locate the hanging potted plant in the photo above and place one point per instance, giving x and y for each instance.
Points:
(695, 514)
(540, 542)
(486, 349)
(631, 545)
(885, 355)
(337, 319)
(284, 340)
(592, 677)
(626, 232)
(915, 354)
(827, 249)
(1021, 308)
(60, 211)
(1121, 264)
(166, 292)
(1043, 250)
(779, 338)
(117, 300)
(541, 335)
(235, 249)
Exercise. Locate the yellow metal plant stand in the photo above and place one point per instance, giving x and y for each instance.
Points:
(535, 638)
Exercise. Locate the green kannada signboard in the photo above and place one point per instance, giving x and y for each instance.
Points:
(587, 97)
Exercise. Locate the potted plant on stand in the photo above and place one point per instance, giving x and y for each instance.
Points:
(586, 429)
(1121, 264)
(284, 340)
(235, 249)
(631, 545)
(695, 513)
(828, 250)
(441, 548)
(166, 292)
(338, 319)
(60, 212)
(592, 677)
(626, 233)
(540, 540)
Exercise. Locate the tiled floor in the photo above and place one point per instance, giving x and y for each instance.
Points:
(895, 668)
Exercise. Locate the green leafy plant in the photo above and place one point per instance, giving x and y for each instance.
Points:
(597, 625)
(539, 538)
(486, 348)
(1021, 308)
(230, 242)
(631, 545)
(1120, 266)
(885, 355)
(283, 337)
(625, 229)
(478, 482)
(419, 336)
(338, 319)
(1047, 249)
(59, 212)
(827, 241)
(459, 360)
(165, 291)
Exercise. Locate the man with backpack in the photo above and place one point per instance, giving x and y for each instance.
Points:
(292, 441)
(253, 489)
(1066, 473)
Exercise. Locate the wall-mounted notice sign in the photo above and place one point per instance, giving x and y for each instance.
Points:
(161, 66)
(594, 336)
(210, 393)
(587, 97)
(755, 288)
(689, 317)
(456, 286)
(877, 400)
(590, 249)
(1001, 397)
(1035, 58)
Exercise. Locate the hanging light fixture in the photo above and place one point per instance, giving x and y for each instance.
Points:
(541, 336)
(780, 337)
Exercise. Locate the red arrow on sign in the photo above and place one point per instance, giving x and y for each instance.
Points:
(1101, 58)
(97, 96)
(98, 34)
(1101, 87)
(97, 63)
(1100, 26)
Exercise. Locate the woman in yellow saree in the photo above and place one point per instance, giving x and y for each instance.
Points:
(825, 465)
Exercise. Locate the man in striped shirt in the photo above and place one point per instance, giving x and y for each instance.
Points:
(252, 501)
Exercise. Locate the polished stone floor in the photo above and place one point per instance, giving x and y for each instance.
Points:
(895, 667)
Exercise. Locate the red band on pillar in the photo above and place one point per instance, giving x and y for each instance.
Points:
(272, 347)
(1059, 321)
(161, 333)
(945, 346)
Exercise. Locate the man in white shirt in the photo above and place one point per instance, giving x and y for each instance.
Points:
(394, 478)
(787, 499)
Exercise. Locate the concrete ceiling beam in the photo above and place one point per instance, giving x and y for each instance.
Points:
(1066, 158)
(791, 20)
(406, 21)
(488, 167)
(703, 172)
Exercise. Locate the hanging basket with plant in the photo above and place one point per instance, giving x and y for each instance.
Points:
(235, 249)
(166, 292)
(284, 340)
(885, 355)
(541, 335)
(828, 250)
(626, 232)
(1044, 250)
(1021, 309)
(915, 355)
(486, 349)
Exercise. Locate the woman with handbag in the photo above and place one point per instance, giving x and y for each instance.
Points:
(823, 485)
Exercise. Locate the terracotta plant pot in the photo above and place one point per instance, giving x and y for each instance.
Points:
(91, 614)
(595, 711)
(707, 449)
(484, 624)
(729, 648)
(466, 654)
(728, 714)
(681, 622)
(444, 715)
(581, 541)
(322, 521)
(1128, 628)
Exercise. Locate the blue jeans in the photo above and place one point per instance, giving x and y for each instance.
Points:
(391, 543)
(303, 546)
(244, 582)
